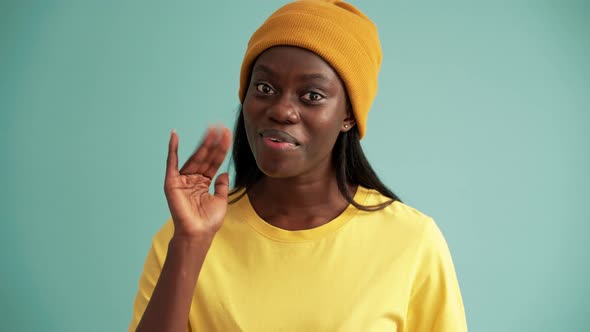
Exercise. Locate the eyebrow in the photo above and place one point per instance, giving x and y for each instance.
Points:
(269, 71)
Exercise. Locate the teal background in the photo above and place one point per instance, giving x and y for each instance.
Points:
(482, 121)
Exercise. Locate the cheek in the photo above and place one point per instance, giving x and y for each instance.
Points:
(247, 107)
(250, 105)
(325, 129)
(324, 135)
(328, 123)
(248, 128)
(251, 114)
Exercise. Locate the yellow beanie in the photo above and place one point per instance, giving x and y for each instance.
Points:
(336, 31)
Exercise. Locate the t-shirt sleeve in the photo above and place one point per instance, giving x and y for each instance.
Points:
(151, 272)
(435, 304)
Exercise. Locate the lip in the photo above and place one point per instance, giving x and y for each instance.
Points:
(278, 136)
(278, 140)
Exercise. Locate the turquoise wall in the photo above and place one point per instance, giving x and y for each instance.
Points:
(482, 121)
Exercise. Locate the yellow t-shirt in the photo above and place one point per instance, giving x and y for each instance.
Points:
(388, 270)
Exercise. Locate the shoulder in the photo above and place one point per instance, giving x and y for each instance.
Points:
(397, 216)
(162, 238)
(165, 232)
(402, 226)
(408, 227)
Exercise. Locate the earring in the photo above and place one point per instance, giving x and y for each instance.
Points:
(345, 126)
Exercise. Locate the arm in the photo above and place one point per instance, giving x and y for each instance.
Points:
(197, 216)
(436, 304)
(169, 306)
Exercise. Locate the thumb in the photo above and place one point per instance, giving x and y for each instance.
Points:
(222, 185)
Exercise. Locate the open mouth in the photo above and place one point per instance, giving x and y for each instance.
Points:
(278, 137)
(278, 140)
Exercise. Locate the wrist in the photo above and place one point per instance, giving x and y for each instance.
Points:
(191, 240)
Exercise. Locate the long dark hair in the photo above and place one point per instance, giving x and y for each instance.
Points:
(348, 158)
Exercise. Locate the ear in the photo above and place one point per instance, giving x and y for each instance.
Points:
(349, 120)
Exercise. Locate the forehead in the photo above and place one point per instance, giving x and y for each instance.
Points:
(294, 60)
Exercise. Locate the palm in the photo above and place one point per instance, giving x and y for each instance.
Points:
(194, 210)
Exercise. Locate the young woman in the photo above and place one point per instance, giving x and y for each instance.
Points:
(309, 239)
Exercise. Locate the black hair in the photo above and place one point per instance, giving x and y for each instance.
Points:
(348, 158)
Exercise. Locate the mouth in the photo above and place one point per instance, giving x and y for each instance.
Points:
(278, 139)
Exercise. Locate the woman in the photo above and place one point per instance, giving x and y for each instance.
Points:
(309, 239)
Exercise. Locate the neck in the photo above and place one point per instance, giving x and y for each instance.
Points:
(298, 203)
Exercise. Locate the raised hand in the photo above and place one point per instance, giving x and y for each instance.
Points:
(194, 210)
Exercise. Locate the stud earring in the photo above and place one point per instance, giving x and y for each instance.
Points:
(345, 126)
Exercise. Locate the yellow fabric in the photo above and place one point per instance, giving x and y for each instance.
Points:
(388, 270)
(339, 33)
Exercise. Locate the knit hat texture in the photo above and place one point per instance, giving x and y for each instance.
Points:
(336, 31)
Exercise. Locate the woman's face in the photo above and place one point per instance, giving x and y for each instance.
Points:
(294, 109)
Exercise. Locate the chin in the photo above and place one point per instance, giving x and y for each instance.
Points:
(277, 171)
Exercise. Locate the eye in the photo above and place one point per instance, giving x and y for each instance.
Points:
(313, 96)
(265, 88)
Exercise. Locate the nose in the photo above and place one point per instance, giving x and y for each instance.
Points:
(283, 111)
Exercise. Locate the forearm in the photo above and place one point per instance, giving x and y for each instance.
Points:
(169, 305)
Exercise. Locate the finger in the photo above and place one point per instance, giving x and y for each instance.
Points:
(218, 155)
(225, 140)
(222, 185)
(193, 164)
(209, 156)
(214, 153)
(172, 159)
